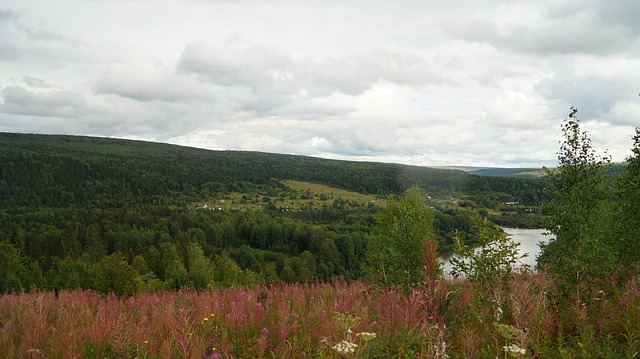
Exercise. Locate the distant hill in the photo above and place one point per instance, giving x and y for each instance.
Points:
(510, 172)
(62, 170)
(530, 172)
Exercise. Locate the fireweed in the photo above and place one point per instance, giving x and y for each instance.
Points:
(289, 320)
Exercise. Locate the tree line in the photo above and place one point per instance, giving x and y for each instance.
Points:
(164, 247)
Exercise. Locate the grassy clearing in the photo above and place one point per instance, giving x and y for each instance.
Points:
(305, 194)
(319, 191)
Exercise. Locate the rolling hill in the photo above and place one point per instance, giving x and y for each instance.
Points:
(62, 170)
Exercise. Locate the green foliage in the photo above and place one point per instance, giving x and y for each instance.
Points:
(164, 243)
(447, 223)
(228, 273)
(495, 256)
(394, 253)
(579, 212)
(117, 276)
(14, 276)
(627, 206)
(73, 273)
(494, 191)
(176, 275)
(200, 268)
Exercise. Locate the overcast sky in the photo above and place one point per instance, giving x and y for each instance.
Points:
(482, 83)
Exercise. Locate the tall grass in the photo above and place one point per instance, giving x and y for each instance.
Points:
(439, 319)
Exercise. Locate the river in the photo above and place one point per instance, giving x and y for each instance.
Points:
(528, 239)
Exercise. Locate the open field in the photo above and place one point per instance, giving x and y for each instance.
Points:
(304, 194)
(331, 193)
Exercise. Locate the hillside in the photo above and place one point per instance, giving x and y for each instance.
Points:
(59, 170)
(509, 172)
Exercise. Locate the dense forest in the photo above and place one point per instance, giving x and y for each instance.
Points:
(83, 212)
(60, 171)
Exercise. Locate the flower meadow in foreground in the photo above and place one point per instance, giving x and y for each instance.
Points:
(445, 319)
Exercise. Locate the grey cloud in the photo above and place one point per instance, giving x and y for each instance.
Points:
(150, 87)
(269, 70)
(6, 14)
(30, 29)
(251, 66)
(578, 30)
(35, 82)
(625, 113)
(19, 101)
(40, 33)
(358, 73)
(620, 13)
(10, 48)
(261, 81)
(304, 109)
(143, 90)
(594, 95)
(353, 143)
(26, 40)
(298, 136)
(114, 115)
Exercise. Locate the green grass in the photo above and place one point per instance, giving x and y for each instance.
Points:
(332, 193)
(302, 195)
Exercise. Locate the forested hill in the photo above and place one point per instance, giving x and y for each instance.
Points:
(61, 170)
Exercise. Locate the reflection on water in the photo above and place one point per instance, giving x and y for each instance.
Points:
(529, 240)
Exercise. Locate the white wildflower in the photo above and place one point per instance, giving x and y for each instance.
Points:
(514, 350)
(345, 347)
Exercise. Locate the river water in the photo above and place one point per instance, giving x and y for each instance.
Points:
(529, 240)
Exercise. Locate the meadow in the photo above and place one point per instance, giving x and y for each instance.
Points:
(437, 319)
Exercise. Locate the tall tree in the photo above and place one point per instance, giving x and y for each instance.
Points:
(628, 205)
(200, 268)
(72, 273)
(114, 274)
(394, 254)
(13, 273)
(579, 211)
